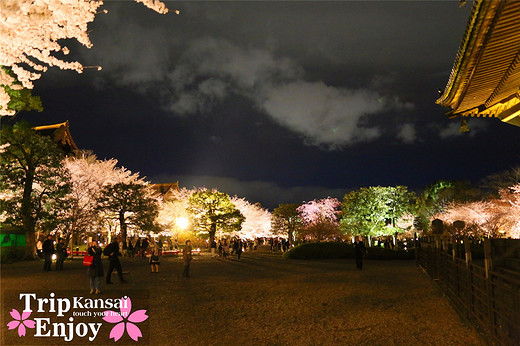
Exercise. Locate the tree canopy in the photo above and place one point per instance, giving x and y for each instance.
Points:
(34, 183)
(212, 211)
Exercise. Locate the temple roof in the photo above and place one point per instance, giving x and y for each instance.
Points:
(60, 134)
(166, 190)
(485, 77)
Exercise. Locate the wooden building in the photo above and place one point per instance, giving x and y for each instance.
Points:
(485, 78)
(166, 190)
(60, 134)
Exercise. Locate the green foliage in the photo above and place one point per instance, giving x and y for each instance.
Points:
(212, 211)
(287, 219)
(368, 211)
(333, 250)
(130, 203)
(33, 179)
(21, 99)
(437, 196)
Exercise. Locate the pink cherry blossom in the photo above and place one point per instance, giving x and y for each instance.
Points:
(125, 320)
(20, 321)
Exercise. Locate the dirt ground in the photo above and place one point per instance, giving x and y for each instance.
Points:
(263, 299)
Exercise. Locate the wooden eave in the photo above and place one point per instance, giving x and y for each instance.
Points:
(60, 134)
(485, 78)
(166, 190)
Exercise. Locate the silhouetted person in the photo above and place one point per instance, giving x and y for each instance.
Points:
(61, 254)
(186, 258)
(359, 251)
(48, 251)
(113, 260)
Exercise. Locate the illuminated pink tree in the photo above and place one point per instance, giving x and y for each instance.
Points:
(481, 218)
(320, 218)
(257, 221)
(88, 176)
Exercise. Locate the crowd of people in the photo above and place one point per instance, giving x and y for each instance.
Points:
(49, 250)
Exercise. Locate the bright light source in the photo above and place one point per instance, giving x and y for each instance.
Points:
(182, 222)
(54, 257)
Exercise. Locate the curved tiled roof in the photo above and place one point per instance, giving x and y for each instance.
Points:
(60, 134)
(485, 78)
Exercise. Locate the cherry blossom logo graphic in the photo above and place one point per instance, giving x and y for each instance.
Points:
(125, 320)
(20, 321)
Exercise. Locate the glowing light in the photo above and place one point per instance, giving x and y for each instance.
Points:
(182, 222)
(54, 257)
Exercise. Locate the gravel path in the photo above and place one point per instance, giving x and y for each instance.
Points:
(263, 299)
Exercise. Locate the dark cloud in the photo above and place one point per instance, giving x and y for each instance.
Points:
(259, 92)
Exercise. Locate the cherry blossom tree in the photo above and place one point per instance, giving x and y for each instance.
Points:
(30, 31)
(481, 218)
(511, 220)
(88, 176)
(320, 218)
(257, 222)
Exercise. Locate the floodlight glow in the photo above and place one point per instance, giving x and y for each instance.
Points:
(182, 222)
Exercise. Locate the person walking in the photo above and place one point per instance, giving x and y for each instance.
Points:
(155, 252)
(213, 248)
(359, 251)
(238, 248)
(186, 258)
(61, 254)
(95, 270)
(144, 246)
(48, 251)
(113, 253)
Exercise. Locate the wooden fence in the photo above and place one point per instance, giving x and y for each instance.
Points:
(486, 296)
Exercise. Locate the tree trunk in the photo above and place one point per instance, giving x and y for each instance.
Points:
(122, 225)
(212, 232)
(28, 221)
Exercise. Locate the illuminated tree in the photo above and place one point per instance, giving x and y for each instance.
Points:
(320, 218)
(14, 97)
(173, 213)
(34, 184)
(511, 196)
(30, 31)
(88, 177)
(211, 211)
(257, 220)
(130, 203)
(437, 196)
(286, 219)
(373, 211)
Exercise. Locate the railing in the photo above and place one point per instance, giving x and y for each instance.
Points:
(491, 302)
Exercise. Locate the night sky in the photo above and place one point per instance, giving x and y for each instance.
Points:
(277, 102)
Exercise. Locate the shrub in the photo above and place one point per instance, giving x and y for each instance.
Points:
(333, 250)
(10, 254)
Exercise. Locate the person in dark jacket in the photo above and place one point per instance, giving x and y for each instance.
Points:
(48, 251)
(359, 251)
(95, 270)
(186, 259)
(238, 248)
(61, 254)
(113, 260)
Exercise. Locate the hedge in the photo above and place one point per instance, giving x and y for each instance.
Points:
(334, 250)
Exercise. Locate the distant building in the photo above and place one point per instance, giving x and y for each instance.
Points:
(485, 78)
(60, 134)
(167, 190)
